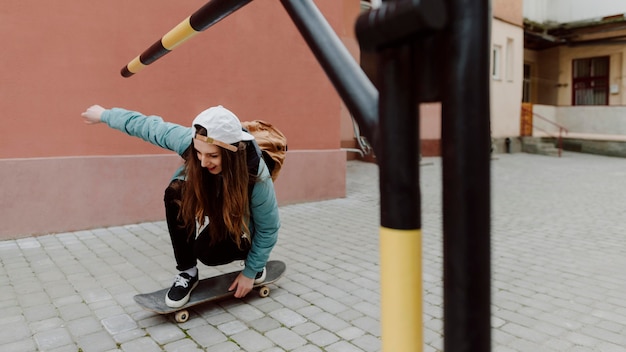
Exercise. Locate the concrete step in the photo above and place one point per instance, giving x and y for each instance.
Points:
(533, 146)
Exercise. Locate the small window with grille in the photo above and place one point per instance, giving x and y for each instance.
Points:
(590, 84)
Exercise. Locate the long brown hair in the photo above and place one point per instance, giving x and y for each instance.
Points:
(223, 198)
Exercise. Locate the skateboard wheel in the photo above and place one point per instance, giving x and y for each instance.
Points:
(264, 291)
(181, 316)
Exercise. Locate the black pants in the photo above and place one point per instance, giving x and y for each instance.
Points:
(188, 248)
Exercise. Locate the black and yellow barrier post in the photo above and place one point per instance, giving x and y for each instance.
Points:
(400, 214)
(394, 33)
(209, 14)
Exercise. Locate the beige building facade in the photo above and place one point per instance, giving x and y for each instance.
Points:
(507, 48)
(507, 43)
(574, 69)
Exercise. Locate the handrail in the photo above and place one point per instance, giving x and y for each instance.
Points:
(560, 127)
(546, 120)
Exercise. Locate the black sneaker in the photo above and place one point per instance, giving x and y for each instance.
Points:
(260, 276)
(180, 291)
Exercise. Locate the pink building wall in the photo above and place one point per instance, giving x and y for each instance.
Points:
(510, 11)
(60, 57)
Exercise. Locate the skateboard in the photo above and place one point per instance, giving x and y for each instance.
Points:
(208, 290)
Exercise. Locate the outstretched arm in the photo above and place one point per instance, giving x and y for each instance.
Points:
(93, 114)
(151, 129)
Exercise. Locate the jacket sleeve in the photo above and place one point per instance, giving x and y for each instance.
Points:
(151, 129)
(265, 222)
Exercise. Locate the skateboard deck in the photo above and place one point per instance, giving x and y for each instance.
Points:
(208, 290)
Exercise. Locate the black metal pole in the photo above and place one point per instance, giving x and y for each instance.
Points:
(354, 87)
(398, 157)
(466, 177)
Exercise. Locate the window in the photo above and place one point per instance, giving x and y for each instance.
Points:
(590, 81)
(496, 57)
(526, 84)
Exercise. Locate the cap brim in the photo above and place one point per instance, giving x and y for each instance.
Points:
(245, 136)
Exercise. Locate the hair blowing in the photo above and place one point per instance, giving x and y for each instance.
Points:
(222, 198)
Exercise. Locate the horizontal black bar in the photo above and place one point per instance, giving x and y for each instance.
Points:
(125, 72)
(395, 21)
(153, 53)
(214, 11)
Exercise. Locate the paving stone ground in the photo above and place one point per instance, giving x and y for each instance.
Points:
(558, 269)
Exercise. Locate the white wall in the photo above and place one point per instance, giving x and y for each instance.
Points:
(506, 88)
(544, 120)
(595, 120)
(563, 11)
(536, 10)
(605, 122)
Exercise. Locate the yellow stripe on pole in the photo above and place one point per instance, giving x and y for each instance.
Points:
(178, 35)
(401, 290)
(135, 65)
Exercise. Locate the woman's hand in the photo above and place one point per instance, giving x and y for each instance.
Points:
(93, 114)
(242, 284)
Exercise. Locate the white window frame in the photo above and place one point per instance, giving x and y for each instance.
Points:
(496, 64)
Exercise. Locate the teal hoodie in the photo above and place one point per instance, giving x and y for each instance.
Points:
(264, 218)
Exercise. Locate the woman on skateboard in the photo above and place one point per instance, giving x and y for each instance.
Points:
(220, 206)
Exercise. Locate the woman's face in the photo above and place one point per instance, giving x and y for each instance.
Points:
(210, 156)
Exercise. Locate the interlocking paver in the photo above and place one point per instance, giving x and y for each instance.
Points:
(264, 324)
(285, 338)
(322, 338)
(252, 341)
(51, 339)
(222, 318)
(187, 345)
(144, 344)
(40, 312)
(305, 328)
(129, 335)
(84, 326)
(227, 346)
(165, 333)
(118, 323)
(207, 335)
(308, 348)
(288, 317)
(14, 331)
(232, 327)
(343, 346)
(99, 341)
(557, 267)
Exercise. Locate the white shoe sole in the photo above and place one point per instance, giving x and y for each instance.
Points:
(183, 301)
(262, 278)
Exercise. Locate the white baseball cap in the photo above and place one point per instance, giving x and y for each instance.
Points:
(222, 126)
